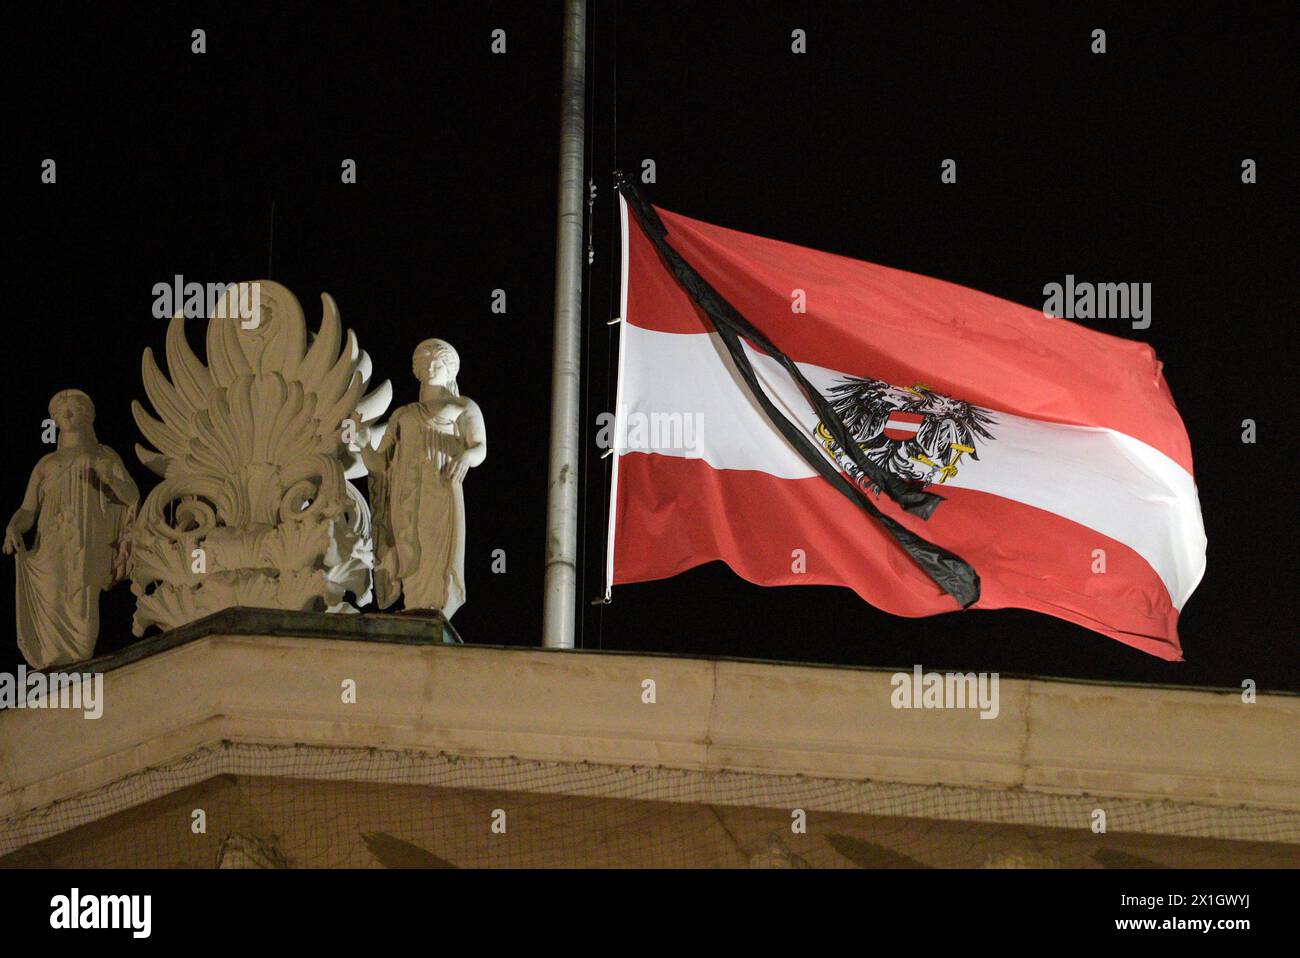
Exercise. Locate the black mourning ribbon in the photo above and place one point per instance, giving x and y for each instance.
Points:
(950, 572)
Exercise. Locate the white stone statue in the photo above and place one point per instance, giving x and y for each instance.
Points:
(83, 502)
(255, 447)
(416, 470)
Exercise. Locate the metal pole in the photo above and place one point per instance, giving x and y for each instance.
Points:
(562, 479)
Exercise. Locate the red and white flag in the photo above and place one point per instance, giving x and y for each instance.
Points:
(813, 419)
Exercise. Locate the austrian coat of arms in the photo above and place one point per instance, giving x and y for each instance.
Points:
(911, 432)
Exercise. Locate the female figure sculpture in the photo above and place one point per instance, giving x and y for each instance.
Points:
(416, 473)
(85, 501)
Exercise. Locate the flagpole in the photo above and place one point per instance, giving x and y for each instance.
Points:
(562, 478)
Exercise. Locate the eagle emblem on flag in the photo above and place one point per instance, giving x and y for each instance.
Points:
(911, 432)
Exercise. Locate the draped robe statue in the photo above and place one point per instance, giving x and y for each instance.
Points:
(416, 496)
(82, 501)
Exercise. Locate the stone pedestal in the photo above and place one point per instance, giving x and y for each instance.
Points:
(400, 628)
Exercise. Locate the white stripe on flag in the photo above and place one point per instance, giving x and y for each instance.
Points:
(1099, 478)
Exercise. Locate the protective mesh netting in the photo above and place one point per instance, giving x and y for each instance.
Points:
(300, 806)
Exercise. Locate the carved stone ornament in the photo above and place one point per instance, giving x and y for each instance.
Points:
(82, 501)
(255, 448)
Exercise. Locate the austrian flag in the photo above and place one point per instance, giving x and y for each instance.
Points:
(928, 446)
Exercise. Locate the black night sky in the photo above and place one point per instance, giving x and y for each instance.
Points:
(1119, 167)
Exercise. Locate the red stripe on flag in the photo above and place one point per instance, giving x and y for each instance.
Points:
(903, 328)
(676, 513)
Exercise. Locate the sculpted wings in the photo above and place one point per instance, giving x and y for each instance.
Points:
(264, 395)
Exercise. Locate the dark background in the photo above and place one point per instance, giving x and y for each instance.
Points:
(1119, 167)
